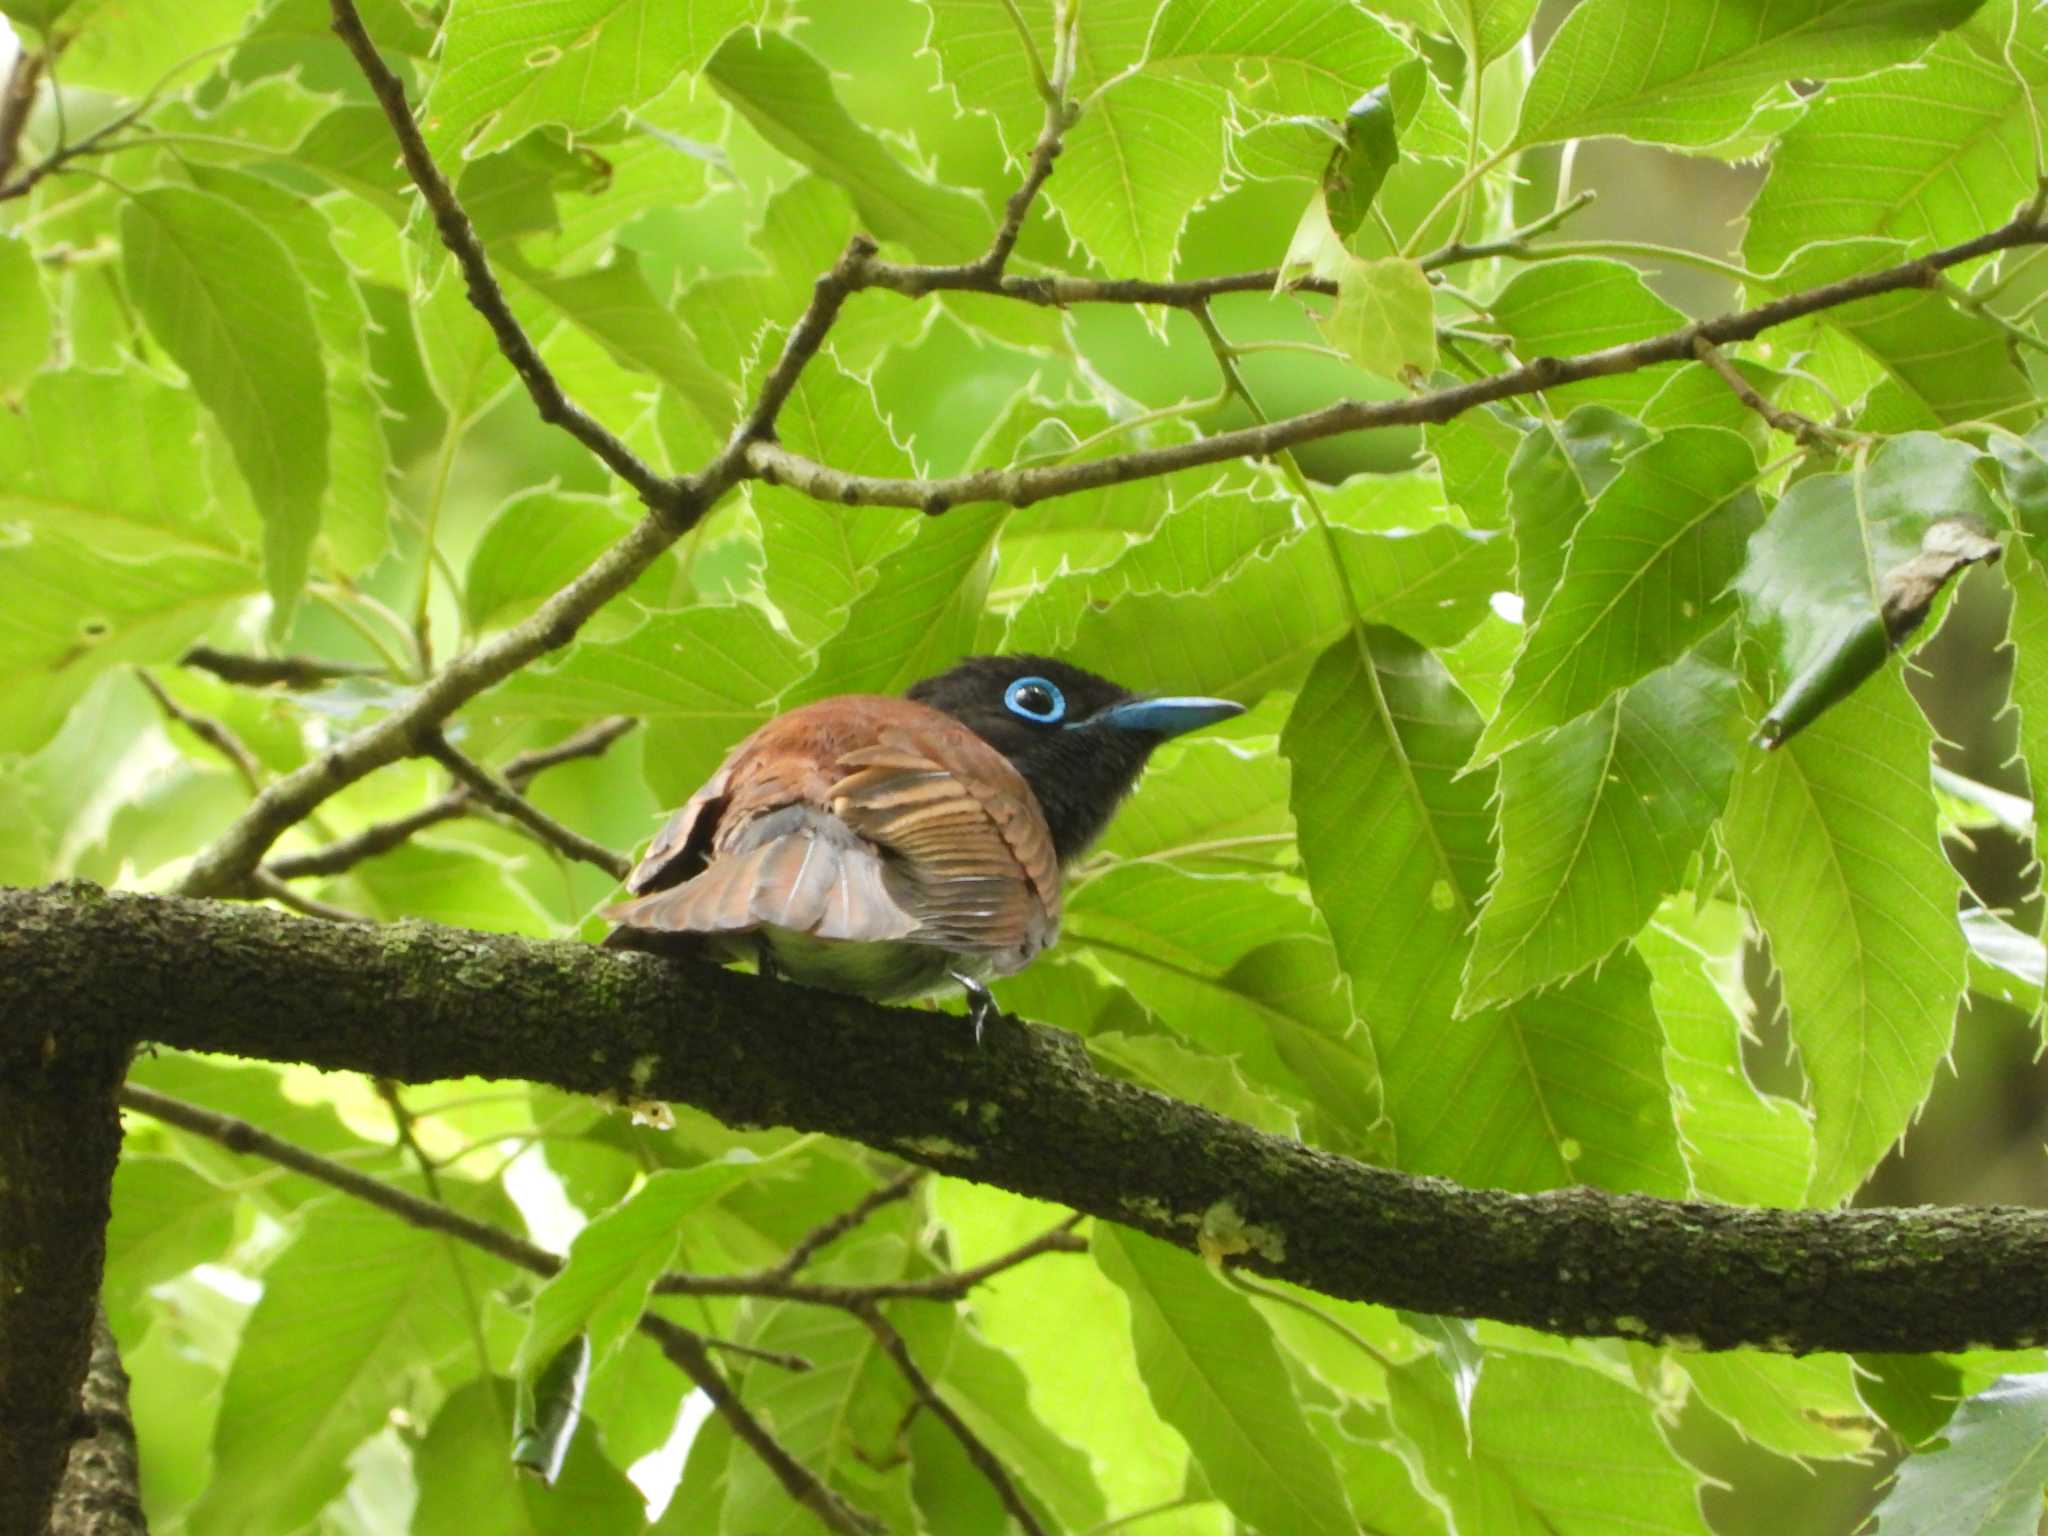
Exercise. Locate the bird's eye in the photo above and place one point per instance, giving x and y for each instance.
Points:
(1035, 699)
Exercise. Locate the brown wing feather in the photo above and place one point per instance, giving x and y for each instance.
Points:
(859, 818)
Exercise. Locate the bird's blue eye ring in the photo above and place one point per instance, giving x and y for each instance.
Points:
(1036, 699)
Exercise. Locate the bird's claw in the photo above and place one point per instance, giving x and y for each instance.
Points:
(981, 1004)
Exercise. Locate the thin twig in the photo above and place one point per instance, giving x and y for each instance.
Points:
(1962, 298)
(1022, 486)
(265, 883)
(828, 1232)
(1808, 431)
(459, 235)
(950, 1286)
(1514, 243)
(383, 836)
(689, 1351)
(509, 802)
(17, 97)
(268, 671)
(209, 730)
(977, 1450)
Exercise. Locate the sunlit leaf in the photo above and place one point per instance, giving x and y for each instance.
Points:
(1832, 841)
(224, 299)
(1671, 73)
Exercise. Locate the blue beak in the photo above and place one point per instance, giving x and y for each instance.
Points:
(1166, 717)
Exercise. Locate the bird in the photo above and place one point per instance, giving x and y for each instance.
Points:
(886, 846)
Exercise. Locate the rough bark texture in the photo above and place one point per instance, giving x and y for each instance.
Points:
(59, 1139)
(1026, 1110)
(101, 1494)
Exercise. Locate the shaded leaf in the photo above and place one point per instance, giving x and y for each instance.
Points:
(1986, 1477)
(1357, 166)
(465, 1486)
(1385, 319)
(1849, 564)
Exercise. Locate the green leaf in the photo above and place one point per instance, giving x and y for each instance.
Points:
(1553, 1448)
(1385, 319)
(1849, 564)
(1915, 1395)
(1668, 72)
(1797, 1406)
(988, 1389)
(1264, 624)
(2005, 963)
(222, 296)
(1357, 166)
(126, 49)
(615, 308)
(440, 882)
(167, 1220)
(1598, 823)
(787, 95)
(1741, 1145)
(508, 67)
(1149, 147)
(1643, 581)
(358, 1301)
(1551, 481)
(537, 543)
(1986, 1476)
(920, 615)
(1213, 1373)
(820, 558)
(1064, 1324)
(1832, 841)
(603, 1285)
(542, 1439)
(1472, 453)
(1941, 365)
(701, 678)
(1586, 304)
(103, 565)
(1566, 1087)
(466, 1485)
(1487, 29)
(26, 341)
(1941, 146)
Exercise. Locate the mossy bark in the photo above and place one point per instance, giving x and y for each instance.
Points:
(1025, 1110)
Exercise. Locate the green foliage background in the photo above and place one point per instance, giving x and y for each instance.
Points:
(1497, 890)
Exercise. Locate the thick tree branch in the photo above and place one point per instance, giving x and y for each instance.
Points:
(60, 1137)
(101, 1494)
(1025, 1110)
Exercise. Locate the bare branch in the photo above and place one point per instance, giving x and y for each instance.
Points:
(1022, 486)
(209, 730)
(508, 802)
(984, 1459)
(829, 1232)
(1809, 432)
(17, 98)
(384, 836)
(101, 1494)
(457, 233)
(266, 883)
(265, 671)
(689, 1351)
(227, 863)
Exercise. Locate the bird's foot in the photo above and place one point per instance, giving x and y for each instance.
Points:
(981, 1004)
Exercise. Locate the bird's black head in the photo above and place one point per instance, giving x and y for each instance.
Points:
(1078, 739)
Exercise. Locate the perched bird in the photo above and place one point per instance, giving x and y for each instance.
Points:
(881, 845)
